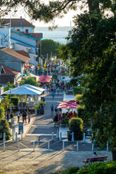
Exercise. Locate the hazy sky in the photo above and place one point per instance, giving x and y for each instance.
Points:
(66, 21)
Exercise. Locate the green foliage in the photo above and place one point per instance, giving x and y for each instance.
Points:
(85, 115)
(72, 170)
(96, 168)
(77, 90)
(4, 128)
(2, 112)
(91, 49)
(49, 48)
(99, 168)
(30, 81)
(6, 102)
(4, 125)
(40, 104)
(14, 100)
(9, 86)
(79, 97)
(76, 126)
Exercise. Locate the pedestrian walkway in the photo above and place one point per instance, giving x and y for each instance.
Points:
(42, 151)
(43, 162)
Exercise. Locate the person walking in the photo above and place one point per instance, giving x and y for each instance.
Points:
(24, 115)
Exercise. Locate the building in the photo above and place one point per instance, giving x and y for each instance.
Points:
(8, 75)
(13, 60)
(19, 24)
(19, 35)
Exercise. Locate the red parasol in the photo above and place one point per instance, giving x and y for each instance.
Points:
(68, 104)
(45, 79)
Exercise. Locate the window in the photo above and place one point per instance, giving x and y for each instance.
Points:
(26, 31)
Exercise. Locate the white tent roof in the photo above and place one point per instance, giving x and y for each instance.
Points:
(34, 87)
(23, 90)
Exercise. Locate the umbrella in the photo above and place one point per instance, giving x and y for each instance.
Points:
(23, 90)
(45, 78)
(71, 104)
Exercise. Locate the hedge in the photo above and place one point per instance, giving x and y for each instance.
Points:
(72, 170)
(99, 168)
(95, 168)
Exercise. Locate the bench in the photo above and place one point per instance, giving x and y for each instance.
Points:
(95, 159)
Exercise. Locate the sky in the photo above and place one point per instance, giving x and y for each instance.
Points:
(65, 21)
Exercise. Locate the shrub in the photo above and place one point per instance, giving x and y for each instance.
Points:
(14, 100)
(76, 126)
(72, 170)
(30, 80)
(96, 168)
(4, 128)
(99, 168)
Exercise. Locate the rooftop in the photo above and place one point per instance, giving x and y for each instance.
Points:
(16, 54)
(7, 70)
(17, 22)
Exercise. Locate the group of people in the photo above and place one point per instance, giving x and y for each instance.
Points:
(63, 118)
(22, 116)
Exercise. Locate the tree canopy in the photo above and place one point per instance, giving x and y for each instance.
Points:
(91, 51)
(47, 10)
(49, 48)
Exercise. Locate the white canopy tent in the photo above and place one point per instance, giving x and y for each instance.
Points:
(34, 87)
(25, 90)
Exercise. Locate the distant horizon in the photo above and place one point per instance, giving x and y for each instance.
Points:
(53, 28)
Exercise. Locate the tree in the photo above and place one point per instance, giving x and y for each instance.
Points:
(47, 11)
(30, 80)
(49, 48)
(92, 55)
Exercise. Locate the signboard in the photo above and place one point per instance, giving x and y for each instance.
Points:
(21, 127)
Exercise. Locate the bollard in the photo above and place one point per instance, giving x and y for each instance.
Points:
(60, 138)
(84, 138)
(38, 141)
(21, 135)
(57, 134)
(92, 146)
(16, 137)
(4, 141)
(17, 141)
(77, 146)
(72, 138)
(48, 145)
(52, 135)
(33, 145)
(63, 145)
(107, 146)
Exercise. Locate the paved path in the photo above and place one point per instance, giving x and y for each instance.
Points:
(42, 161)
